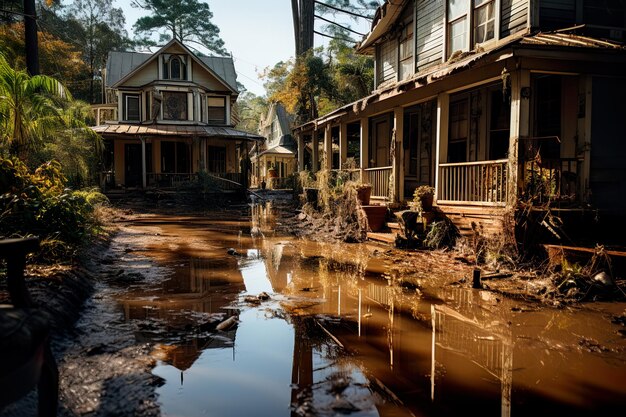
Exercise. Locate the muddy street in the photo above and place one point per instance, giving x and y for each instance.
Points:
(218, 314)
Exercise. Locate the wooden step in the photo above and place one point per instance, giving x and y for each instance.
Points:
(393, 226)
(389, 238)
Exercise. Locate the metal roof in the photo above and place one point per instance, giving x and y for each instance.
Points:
(175, 130)
(277, 150)
(121, 64)
(569, 39)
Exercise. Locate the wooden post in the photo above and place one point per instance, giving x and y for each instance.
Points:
(398, 160)
(343, 144)
(476, 279)
(443, 115)
(520, 129)
(328, 148)
(144, 179)
(301, 145)
(364, 147)
(315, 155)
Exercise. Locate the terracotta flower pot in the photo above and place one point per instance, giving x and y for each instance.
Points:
(363, 194)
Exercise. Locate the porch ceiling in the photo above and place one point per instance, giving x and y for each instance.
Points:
(174, 130)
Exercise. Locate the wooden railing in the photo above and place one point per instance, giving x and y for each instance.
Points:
(379, 178)
(483, 182)
(170, 179)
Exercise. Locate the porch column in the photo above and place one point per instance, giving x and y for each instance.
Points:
(204, 157)
(585, 175)
(300, 152)
(316, 146)
(520, 128)
(328, 148)
(397, 170)
(441, 154)
(144, 179)
(364, 148)
(343, 144)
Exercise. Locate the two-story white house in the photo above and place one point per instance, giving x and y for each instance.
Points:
(170, 116)
(492, 102)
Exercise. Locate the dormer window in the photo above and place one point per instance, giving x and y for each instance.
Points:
(174, 68)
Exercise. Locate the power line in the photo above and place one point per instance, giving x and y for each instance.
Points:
(337, 24)
(344, 11)
(334, 37)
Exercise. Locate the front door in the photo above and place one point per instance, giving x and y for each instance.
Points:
(132, 164)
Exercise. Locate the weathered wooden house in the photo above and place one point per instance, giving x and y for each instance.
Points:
(169, 115)
(492, 102)
(277, 151)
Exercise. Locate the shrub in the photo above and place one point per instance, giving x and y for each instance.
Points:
(38, 204)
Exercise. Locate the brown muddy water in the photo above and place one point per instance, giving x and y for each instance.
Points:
(340, 335)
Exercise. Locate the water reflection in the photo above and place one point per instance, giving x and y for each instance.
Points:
(340, 326)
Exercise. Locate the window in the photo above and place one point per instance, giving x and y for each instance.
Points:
(132, 111)
(484, 21)
(480, 17)
(217, 110)
(174, 68)
(406, 51)
(457, 25)
(499, 123)
(216, 156)
(354, 141)
(458, 133)
(175, 157)
(174, 105)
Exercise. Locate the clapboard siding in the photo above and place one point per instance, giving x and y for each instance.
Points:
(429, 33)
(388, 61)
(513, 17)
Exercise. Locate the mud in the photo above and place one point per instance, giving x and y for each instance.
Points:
(354, 322)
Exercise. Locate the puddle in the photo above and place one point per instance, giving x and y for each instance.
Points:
(339, 335)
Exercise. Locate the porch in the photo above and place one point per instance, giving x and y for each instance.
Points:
(167, 156)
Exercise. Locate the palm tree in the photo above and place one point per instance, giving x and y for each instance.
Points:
(30, 109)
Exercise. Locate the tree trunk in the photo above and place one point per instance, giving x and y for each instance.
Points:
(295, 13)
(30, 37)
(307, 18)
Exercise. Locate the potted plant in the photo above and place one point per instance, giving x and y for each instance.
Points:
(423, 198)
(364, 192)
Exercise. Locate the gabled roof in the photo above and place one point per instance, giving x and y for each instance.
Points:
(122, 65)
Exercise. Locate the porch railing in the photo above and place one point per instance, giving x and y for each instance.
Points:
(379, 178)
(170, 179)
(483, 182)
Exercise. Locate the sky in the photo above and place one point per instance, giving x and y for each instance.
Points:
(258, 33)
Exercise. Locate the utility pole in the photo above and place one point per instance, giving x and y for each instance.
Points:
(30, 37)
(303, 13)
